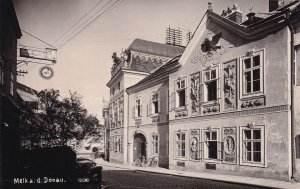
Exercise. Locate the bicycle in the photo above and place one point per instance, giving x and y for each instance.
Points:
(150, 162)
(137, 163)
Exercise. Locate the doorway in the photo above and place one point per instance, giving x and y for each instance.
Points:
(139, 147)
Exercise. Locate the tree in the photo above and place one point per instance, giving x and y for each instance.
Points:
(59, 119)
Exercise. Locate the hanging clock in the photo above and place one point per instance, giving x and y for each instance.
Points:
(46, 72)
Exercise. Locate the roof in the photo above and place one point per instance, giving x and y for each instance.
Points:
(26, 89)
(164, 70)
(262, 27)
(155, 48)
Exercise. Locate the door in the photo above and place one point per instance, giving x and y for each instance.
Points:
(139, 147)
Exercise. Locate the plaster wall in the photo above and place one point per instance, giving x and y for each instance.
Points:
(276, 145)
(275, 91)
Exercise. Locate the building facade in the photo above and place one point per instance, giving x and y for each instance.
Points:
(135, 63)
(148, 127)
(232, 107)
(10, 113)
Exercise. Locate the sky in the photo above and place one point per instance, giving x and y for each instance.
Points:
(84, 61)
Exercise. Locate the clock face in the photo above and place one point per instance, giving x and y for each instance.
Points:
(46, 72)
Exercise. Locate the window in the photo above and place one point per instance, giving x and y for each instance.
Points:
(138, 108)
(211, 144)
(253, 73)
(181, 92)
(113, 91)
(155, 103)
(252, 145)
(211, 147)
(211, 83)
(11, 83)
(155, 144)
(180, 144)
(118, 86)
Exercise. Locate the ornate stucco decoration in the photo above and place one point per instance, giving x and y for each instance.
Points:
(230, 85)
(181, 113)
(155, 118)
(137, 122)
(194, 93)
(212, 47)
(254, 102)
(194, 142)
(230, 146)
(211, 108)
(120, 62)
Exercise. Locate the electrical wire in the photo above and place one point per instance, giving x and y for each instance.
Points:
(84, 24)
(63, 34)
(38, 38)
(111, 7)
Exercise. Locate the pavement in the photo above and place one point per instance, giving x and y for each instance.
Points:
(216, 177)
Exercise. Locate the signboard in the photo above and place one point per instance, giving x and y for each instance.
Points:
(47, 54)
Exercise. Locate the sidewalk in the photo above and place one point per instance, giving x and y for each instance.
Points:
(216, 177)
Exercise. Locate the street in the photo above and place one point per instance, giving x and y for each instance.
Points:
(115, 178)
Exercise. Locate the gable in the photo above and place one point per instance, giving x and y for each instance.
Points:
(210, 42)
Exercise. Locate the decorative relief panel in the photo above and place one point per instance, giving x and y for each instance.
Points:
(254, 102)
(195, 92)
(137, 122)
(155, 118)
(194, 142)
(211, 108)
(230, 145)
(212, 47)
(181, 113)
(230, 92)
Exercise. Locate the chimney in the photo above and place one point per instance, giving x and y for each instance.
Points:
(236, 17)
(234, 14)
(275, 4)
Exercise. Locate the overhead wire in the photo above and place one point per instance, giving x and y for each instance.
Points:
(63, 34)
(111, 7)
(85, 24)
(37, 38)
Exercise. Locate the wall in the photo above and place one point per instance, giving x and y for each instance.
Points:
(148, 124)
(273, 113)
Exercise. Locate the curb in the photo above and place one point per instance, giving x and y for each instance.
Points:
(204, 178)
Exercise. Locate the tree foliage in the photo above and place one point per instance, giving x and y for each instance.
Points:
(58, 120)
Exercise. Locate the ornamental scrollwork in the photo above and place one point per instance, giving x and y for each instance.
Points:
(230, 86)
(194, 93)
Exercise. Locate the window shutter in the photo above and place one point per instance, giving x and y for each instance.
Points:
(122, 144)
(141, 112)
(158, 99)
(201, 150)
(133, 112)
(220, 150)
(218, 89)
(201, 93)
(172, 102)
(149, 109)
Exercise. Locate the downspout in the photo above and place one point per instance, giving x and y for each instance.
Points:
(287, 17)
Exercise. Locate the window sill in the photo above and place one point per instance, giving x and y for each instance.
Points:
(181, 158)
(251, 95)
(210, 103)
(252, 164)
(181, 108)
(207, 160)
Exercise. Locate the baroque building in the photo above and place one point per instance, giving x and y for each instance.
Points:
(148, 126)
(134, 64)
(10, 32)
(234, 101)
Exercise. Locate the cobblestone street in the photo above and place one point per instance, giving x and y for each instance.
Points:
(115, 178)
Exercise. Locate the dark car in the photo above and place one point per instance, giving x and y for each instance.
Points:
(56, 168)
(88, 169)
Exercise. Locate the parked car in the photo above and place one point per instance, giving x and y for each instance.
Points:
(48, 164)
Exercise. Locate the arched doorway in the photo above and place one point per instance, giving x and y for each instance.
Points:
(139, 147)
